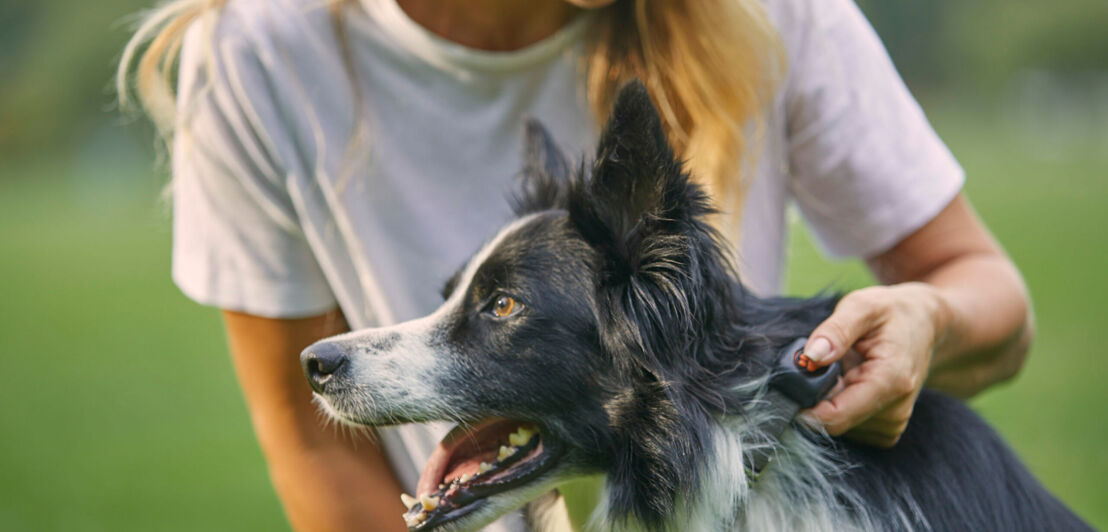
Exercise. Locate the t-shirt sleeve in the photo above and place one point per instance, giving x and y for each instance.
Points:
(237, 242)
(867, 169)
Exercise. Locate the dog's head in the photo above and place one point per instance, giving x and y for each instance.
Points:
(595, 334)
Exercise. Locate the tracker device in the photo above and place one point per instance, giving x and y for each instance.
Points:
(795, 384)
(798, 378)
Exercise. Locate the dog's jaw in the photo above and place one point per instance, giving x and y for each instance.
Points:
(497, 505)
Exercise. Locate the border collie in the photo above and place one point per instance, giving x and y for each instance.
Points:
(606, 332)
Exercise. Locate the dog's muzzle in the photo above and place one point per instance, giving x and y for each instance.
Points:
(321, 362)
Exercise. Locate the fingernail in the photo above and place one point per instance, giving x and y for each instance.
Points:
(818, 349)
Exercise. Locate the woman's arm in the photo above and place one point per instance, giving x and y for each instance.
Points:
(954, 314)
(326, 478)
(988, 325)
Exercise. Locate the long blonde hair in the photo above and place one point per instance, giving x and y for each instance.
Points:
(710, 65)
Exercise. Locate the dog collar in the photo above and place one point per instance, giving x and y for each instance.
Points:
(795, 384)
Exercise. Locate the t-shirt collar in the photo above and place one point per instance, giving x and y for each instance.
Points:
(439, 51)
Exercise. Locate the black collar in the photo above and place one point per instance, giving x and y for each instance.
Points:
(795, 384)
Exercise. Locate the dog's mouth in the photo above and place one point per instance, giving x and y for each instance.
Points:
(473, 463)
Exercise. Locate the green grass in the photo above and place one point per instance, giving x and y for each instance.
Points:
(121, 411)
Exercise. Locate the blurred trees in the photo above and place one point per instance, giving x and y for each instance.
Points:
(56, 63)
(915, 35)
(57, 56)
(984, 45)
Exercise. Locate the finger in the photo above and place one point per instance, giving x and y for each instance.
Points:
(874, 438)
(882, 423)
(885, 427)
(854, 316)
(837, 388)
(855, 404)
(870, 433)
(851, 360)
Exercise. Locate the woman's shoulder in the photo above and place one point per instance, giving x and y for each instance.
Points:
(797, 20)
(822, 41)
(282, 43)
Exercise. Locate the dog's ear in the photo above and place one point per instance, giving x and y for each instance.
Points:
(638, 186)
(640, 212)
(545, 175)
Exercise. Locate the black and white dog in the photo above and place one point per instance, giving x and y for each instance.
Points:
(605, 332)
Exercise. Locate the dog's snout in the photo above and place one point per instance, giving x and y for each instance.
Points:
(320, 362)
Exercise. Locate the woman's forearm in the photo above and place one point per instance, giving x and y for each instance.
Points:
(342, 482)
(983, 318)
(986, 325)
(328, 478)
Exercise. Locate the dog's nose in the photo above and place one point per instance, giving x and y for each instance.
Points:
(320, 362)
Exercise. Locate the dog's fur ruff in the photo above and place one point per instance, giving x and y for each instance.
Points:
(638, 350)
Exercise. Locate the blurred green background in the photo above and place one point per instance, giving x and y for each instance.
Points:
(119, 407)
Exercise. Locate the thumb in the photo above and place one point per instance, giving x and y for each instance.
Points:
(853, 317)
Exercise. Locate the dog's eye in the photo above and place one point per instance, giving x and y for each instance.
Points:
(504, 306)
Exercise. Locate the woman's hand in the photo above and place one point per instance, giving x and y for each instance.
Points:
(887, 335)
(954, 312)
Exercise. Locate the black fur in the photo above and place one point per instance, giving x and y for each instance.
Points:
(957, 471)
(545, 172)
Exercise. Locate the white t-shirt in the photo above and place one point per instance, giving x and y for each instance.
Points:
(279, 213)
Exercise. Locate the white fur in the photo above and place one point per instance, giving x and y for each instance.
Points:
(797, 491)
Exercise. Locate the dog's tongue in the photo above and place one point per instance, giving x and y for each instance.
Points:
(462, 451)
(435, 469)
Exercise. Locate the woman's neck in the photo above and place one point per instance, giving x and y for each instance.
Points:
(495, 25)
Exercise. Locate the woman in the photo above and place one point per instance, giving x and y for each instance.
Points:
(333, 163)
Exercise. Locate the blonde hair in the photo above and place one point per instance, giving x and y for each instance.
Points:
(711, 67)
(161, 31)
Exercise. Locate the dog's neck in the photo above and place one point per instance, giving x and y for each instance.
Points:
(801, 490)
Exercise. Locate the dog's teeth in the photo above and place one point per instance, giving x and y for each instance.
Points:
(483, 467)
(466, 478)
(520, 437)
(441, 486)
(514, 439)
(429, 503)
(415, 519)
(505, 452)
(408, 500)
